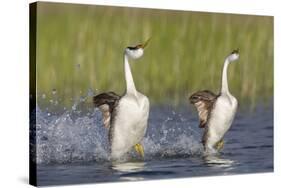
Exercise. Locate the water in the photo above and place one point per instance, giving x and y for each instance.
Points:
(72, 147)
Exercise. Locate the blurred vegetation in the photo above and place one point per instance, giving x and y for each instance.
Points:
(80, 47)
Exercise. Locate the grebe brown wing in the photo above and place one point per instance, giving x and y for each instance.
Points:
(203, 101)
(106, 102)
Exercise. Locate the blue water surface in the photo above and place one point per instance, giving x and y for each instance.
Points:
(72, 147)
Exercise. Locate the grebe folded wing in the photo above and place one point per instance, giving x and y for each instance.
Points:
(106, 102)
(203, 101)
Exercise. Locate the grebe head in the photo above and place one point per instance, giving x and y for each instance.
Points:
(233, 56)
(136, 51)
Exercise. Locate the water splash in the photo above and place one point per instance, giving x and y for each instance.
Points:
(69, 138)
(77, 135)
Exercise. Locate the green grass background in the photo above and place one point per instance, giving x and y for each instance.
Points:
(80, 47)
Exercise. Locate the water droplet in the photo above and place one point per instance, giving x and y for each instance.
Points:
(56, 102)
(74, 107)
(90, 93)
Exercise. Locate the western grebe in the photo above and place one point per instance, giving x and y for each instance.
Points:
(125, 116)
(216, 112)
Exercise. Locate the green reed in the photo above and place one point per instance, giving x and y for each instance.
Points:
(81, 47)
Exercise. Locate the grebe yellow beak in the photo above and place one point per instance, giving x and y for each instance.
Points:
(144, 44)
